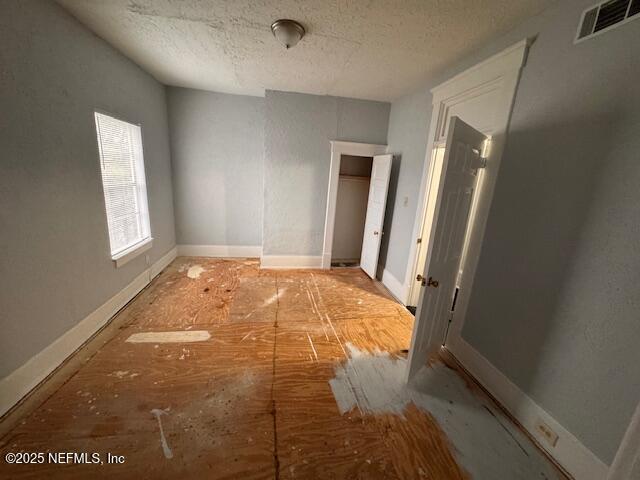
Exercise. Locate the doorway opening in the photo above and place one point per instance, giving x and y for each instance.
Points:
(455, 196)
(451, 199)
(359, 173)
(351, 210)
(435, 171)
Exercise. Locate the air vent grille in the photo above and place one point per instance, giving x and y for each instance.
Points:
(607, 15)
(588, 22)
(611, 13)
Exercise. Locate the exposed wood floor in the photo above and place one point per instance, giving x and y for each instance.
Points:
(253, 401)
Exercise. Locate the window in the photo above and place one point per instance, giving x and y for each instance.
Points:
(124, 185)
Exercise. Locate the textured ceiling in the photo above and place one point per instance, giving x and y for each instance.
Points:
(372, 49)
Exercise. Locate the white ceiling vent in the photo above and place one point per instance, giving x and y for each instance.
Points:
(605, 16)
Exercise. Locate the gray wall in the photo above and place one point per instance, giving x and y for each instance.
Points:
(351, 213)
(556, 296)
(55, 264)
(217, 143)
(408, 125)
(635, 469)
(297, 156)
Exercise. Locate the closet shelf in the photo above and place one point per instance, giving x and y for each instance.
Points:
(355, 177)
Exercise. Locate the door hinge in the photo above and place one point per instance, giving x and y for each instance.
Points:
(455, 299)
(479, 162)
(419, 240)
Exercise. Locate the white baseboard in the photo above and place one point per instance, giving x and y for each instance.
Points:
(396, 288)
(569, 452)
(290, 261)
(162, 263)
(22, 380)
(229, 251)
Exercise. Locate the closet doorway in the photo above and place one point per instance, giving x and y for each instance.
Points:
(356, 201)
(351, 210)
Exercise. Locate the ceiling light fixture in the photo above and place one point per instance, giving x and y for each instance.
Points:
(289, 32)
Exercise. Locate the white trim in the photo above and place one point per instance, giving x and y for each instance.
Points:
(499, 75)
(162, 263)
(26, 377)
(501, 71)
(395, 287)
(326, 260)
(132, 252)
(290, 261)
(495, 66)
(488, 178)
(569, 452)
(228, 251)
(628, 456)
(337, 150)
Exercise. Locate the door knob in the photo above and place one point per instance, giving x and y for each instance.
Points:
(429, 283)
(376, 232)
(432, 283)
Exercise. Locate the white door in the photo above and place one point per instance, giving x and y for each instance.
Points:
(376, 204)
(462, 158)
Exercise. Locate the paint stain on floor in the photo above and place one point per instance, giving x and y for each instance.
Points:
(373, 384)
(250, 392)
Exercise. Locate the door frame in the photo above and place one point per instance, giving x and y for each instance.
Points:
(339, 148)
(498, 76)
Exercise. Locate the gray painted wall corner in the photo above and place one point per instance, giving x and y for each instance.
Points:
(407, 138)
(297, 156)
(56, 262)
(217, 143)
(555, 302)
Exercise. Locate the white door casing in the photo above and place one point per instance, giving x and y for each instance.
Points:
(339, 148)
(376, 205)
(435, 167)
(482, 96)
(458, 180)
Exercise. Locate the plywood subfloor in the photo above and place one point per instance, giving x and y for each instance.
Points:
(253, 401)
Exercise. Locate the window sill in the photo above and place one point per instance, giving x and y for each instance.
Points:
(130, 253)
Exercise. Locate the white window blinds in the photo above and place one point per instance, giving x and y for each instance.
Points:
(123, 182)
